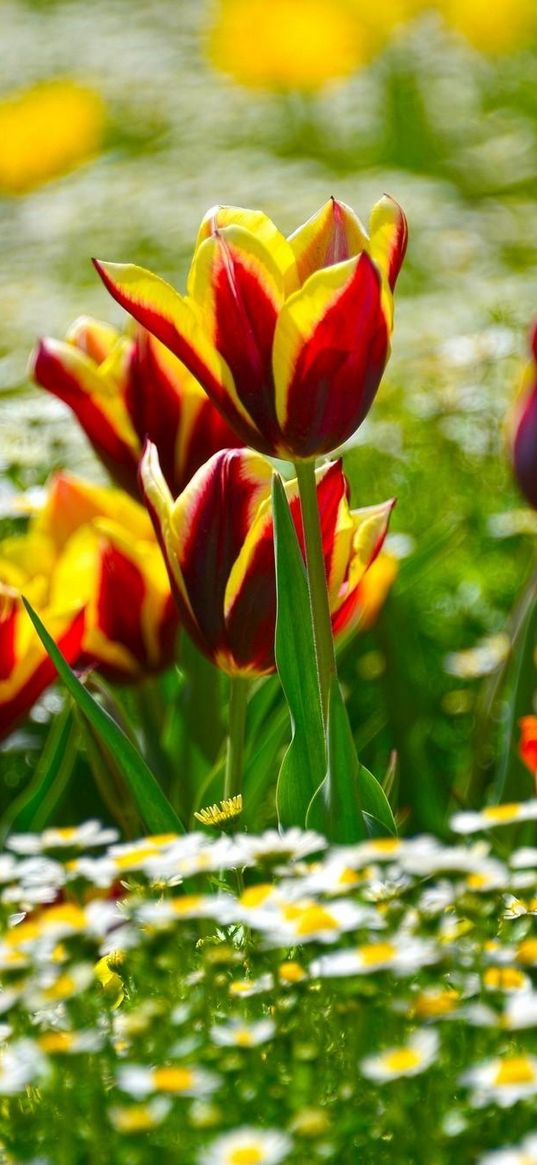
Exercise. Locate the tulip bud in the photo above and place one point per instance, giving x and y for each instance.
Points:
(217, 539)
(123, 389)
(524, 440)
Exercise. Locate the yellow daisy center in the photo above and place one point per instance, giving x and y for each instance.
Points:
(172, 1079)
(515, 1070)
(402, 1060)
(377, 953)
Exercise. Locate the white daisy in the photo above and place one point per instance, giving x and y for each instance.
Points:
(508, 814)
(408, 1060)
(247, 1146)
(523, 1154)
(503, 1080)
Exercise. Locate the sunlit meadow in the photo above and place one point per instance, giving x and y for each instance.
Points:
(269, 880)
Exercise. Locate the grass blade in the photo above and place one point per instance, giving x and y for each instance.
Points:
(154, 808)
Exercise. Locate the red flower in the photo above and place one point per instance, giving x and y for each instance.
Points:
(124, 389)
(217, 539)
(289, 337)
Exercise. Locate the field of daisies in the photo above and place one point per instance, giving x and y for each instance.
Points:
(268, 619)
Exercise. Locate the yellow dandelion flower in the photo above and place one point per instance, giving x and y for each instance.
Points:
(287, 45)
(46, 131)
(224, 811)
(493, 28)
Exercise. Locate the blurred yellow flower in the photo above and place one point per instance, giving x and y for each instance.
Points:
(287, 45)
(46, 131)
(498, 27)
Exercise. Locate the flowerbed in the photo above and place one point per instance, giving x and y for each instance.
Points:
(242, 998)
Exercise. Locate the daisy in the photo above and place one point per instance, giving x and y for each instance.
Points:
(508, 814)
(403, 955)
(238, 1034)
(503, 1080)
(247, 1146)
(90, 833)
(178, 1080)
(408, 1060)
(524, 1154)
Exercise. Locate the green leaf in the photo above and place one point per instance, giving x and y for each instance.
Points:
(378, 815)
(335, 809)
(350, 803)
(155, 810)
(304, 764)
(33, 808)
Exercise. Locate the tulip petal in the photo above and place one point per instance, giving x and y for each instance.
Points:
(25, 668)
(330, 350)
(258, 224)
(239, 291)
(389, 236)
(330, 236)
(96, 398)
(210, 522)
(370, 528)
(175, 321)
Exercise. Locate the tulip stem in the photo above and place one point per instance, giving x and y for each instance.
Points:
(238, 698)
(318, 590)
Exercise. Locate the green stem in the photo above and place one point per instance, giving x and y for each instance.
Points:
(318, 590)
(238, 697)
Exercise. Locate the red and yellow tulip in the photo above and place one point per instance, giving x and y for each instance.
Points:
(90, 565)
(217, 539)
(289, 337)
(123, 389)
(524, 431)
(108, 557)
(26, 566)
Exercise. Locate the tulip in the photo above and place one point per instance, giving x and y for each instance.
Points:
(90, 565)
(25, 668)
(124, 389)
(524, 432)
(289, 337)
(217, 539)
(528, 744)
(108, 557)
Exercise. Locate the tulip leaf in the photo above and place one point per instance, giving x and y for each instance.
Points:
(350, 803)
(336, 809)
(155, 809)
(35, 805)
(304, 764)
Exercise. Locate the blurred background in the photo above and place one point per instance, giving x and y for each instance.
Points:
(122, 122)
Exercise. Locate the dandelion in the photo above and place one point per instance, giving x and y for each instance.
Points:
(46, 131)
(224, 811)
(248, 1146)
(408, 1060)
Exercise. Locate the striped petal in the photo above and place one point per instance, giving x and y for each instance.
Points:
(96, 396)
(330, 350)
(370, 526)
(523, 425)
(175, 320)
(169, 407)
(250, 597)
(202, 534)
(131, 620)
(25, 668)
(239, 291)
(258, 224)
(330, 236)
(389, 236)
